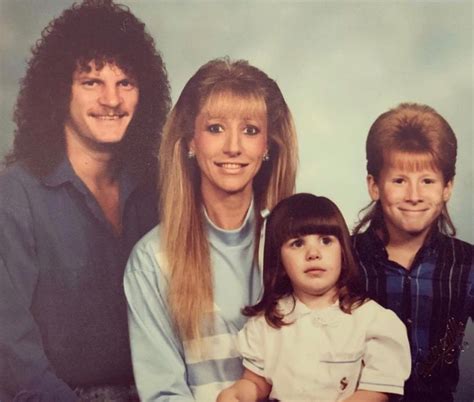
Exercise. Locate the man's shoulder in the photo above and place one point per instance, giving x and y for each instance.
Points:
(17, 173)
(17, 181)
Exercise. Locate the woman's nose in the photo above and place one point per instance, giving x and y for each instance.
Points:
(232, 143)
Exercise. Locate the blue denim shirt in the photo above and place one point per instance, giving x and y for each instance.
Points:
(63, 319)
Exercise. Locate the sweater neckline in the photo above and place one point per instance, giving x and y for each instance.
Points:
(241, 236)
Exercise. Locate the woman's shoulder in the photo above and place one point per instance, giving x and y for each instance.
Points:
(145, 251)
(149, 241)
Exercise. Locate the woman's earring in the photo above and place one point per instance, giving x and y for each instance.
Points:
(266, 156)
(191, 154)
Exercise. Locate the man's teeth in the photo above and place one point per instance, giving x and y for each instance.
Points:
(108, 116)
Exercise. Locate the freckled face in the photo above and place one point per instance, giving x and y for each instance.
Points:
(313, 264)
(411, 199)
(102, 105)
(230, 139)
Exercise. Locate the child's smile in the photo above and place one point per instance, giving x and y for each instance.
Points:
(411, 199)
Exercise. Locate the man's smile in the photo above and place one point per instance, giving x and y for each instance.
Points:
(108, 115)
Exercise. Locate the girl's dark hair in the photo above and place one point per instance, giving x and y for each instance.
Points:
(104, 32)
(299, 215)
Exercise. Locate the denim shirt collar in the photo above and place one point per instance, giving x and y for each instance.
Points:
(64, 173)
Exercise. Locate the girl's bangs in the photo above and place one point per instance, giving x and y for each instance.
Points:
(302, 226)
(304, 214)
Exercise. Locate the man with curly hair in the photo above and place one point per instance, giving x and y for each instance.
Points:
(78, 191)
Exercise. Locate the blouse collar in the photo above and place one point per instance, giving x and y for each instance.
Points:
(293, 309)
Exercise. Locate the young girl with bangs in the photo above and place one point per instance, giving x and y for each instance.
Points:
(314, 336)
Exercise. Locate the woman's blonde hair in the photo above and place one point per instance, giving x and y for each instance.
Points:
(184, 239)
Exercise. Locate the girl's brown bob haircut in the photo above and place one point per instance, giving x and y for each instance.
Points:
(300, 215)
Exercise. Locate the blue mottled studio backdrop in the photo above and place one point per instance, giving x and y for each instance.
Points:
(339, 64)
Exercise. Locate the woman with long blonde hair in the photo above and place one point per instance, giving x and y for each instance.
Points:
(228, 152)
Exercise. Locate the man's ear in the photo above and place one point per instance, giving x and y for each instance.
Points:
(373, 188)
(447, 191)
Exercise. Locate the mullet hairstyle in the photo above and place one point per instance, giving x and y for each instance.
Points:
(183, 229)
(103, 32)
(418, 132)
(300, 215)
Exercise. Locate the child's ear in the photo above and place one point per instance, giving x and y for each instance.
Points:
(447, 191)
(373, 188)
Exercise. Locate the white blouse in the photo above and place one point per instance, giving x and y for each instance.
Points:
(326, 355)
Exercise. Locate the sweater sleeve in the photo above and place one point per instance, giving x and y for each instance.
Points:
(157, 353)
(387, 360)
(24, 369)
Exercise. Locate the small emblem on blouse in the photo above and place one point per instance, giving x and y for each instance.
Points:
(343, 383)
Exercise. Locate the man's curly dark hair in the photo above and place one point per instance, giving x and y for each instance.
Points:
(100, 31)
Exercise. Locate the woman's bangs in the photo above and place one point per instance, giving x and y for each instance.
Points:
(227, 102)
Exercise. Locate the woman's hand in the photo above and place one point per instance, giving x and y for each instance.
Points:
(250, 388)
(228, 395)
(242, 391)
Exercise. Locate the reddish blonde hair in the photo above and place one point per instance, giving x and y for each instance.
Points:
(422, 133)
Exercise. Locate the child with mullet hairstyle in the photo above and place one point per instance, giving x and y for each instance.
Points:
(408, 255)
